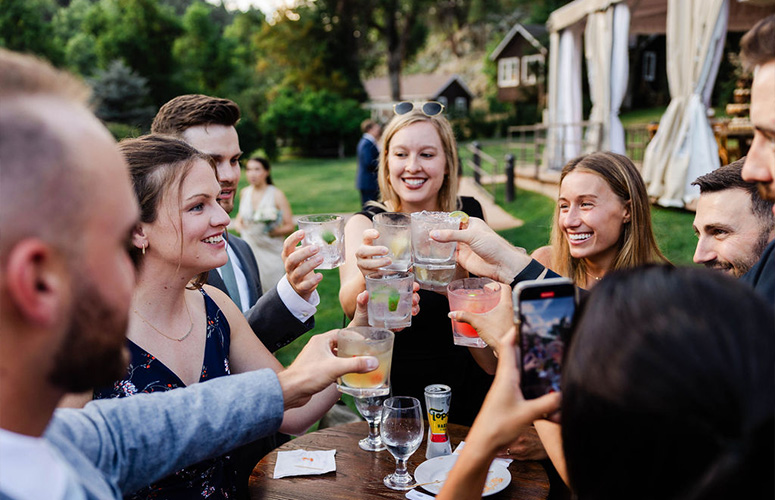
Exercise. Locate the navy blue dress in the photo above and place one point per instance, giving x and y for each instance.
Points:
(214, 478)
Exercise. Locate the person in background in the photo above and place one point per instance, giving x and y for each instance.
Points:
(758, 53)
(287, 310)
(732, 222)
(368, 161)
(682, 407)
(602, 221)
(67, 215)
(264, 220)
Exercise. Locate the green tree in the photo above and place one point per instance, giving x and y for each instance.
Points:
(25, 26)
(201, 52)
(141, 33)
(121, 96)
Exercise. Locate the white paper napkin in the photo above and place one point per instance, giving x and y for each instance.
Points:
(504, 461)
(304, 462)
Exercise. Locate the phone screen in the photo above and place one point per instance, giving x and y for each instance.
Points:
(546, 317)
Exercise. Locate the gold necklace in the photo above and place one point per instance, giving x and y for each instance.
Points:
(181, 339)
(593, 276)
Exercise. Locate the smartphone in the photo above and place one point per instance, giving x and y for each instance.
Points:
(543, 311)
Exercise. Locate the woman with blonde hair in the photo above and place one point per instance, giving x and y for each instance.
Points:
(418, 170)
(602, 221)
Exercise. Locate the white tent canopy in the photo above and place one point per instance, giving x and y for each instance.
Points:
(684, 147)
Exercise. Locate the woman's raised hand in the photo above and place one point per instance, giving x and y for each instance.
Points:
(366, 253)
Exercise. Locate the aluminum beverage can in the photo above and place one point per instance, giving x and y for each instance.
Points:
(437, 399)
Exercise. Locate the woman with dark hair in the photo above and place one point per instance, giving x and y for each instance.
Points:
(667, 393)
(264, 220)
(602, 221)
(182, 331)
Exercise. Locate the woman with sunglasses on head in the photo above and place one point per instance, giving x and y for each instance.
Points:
(418, 170)
(602, 221)
(182, 331)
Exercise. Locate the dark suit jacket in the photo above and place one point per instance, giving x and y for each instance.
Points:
(268, 316)
(368, 164)
(762, 275)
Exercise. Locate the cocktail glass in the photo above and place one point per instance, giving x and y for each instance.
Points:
(395, 233)
(475, 295)
(327, 232)
(390, 299)
(366, 341)
(434, 262)
(402, 433)
(371, 410)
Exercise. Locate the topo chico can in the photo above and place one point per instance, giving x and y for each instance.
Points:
(437, 398)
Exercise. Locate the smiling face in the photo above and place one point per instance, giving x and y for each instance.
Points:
(760, 162)
(222, 143)
(190, 211)
(730, 236)
(591, 217)
(417, 166)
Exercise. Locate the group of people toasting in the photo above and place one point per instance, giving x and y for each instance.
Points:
(667, 381)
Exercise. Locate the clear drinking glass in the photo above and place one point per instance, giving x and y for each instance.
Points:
(390, 299)
(395, 233)
(402, 433)
(366, 341)
(371, 410)
(474, 295)
(434, 262)
(327, 232)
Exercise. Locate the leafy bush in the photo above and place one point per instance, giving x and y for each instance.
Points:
(319, 123)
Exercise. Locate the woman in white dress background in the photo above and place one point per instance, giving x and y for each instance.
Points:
(264, 220)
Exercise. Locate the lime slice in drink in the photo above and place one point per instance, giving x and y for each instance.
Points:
(457, 214)
(328, 237)
(393, 300)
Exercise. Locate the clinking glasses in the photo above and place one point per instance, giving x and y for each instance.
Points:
(428, 108)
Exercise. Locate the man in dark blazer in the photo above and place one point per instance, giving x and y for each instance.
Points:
(287, 310)
(368, 161)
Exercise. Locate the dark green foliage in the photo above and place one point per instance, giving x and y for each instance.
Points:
(25, 26)
(121, 96)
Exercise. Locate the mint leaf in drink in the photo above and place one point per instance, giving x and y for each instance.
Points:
(393, 299)
(328, 237)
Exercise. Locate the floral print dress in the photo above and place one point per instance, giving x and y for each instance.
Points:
(214, 478)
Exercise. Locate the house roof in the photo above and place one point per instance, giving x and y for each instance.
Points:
(527, 32)
(413, 87)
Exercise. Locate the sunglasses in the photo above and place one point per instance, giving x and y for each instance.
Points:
(428, 108)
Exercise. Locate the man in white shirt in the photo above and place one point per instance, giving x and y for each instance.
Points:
(287, 310)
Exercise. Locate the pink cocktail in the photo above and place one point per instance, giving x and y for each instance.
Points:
(474, 295)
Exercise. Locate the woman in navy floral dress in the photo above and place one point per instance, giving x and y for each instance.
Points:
(182, 332)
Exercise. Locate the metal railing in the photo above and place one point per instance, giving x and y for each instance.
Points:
(483, 166)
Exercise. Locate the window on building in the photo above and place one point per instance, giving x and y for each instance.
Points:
(649, 66)
(461, 104)
(508, 72)
(532, 68)
(443, 100)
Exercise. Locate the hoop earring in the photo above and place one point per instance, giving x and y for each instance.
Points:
(144, 245)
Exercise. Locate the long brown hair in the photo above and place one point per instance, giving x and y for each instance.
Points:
(636, 243)
(447, 195)
(157, 163)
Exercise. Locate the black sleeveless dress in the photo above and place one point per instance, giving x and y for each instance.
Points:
(424, 353)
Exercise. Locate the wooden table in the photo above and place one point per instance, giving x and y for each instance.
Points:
(359, 473)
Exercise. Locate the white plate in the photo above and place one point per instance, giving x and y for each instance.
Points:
(435, 471)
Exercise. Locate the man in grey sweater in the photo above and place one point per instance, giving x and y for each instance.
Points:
(66, 280)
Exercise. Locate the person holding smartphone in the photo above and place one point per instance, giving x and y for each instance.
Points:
(650, 409)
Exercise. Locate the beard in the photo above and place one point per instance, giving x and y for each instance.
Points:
(738, 267)
(93, 353)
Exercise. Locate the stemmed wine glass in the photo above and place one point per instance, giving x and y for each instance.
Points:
(402, 433)
(370, 408)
